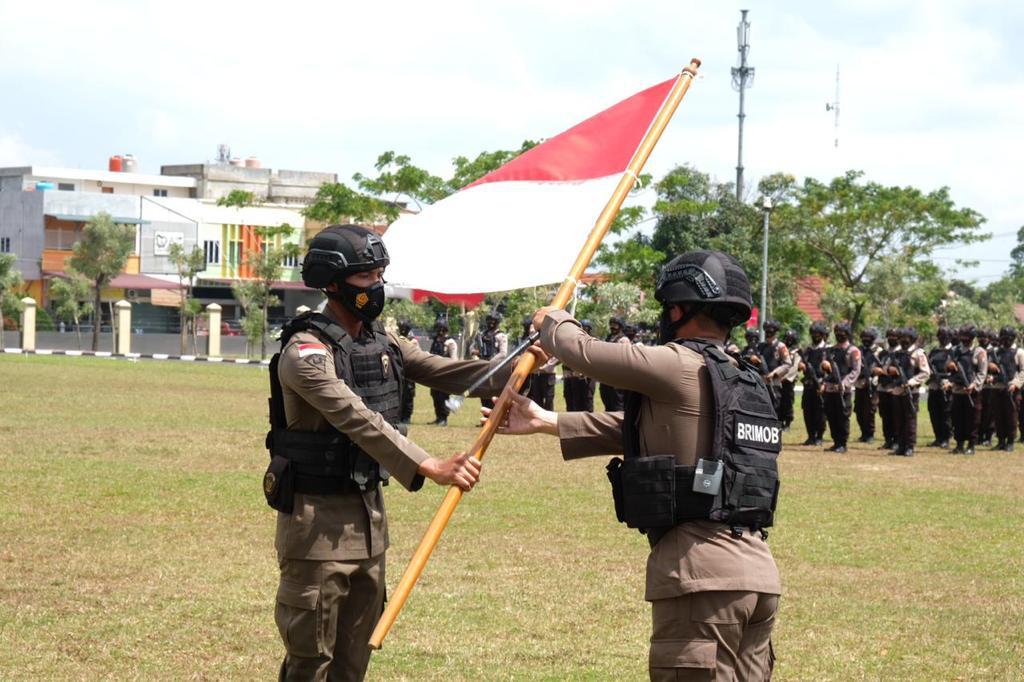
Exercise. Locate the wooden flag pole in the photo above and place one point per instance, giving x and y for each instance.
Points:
(526, 363)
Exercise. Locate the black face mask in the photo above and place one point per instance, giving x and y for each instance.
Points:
(366, 303)
(667, 328)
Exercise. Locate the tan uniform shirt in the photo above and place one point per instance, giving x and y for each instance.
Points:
(677, 417)
(353, 526)
(795, 358)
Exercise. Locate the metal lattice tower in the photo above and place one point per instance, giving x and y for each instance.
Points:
(742, 78)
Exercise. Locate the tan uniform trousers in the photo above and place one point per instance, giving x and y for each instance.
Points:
(325, 612)
(719, 636)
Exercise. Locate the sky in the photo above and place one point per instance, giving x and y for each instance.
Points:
(930, 93)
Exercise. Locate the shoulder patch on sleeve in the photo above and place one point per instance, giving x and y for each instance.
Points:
(308, 349)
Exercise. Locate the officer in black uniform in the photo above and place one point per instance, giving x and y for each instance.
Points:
(750, 352)
(968, 370)
(444, 346)
(812, 404)
(490, 343)
(885, 388)
(865, 397)
(986, 426)
(788, 393)
(1007, 365)
(774, 355)
(409, 388)
(939, 402)
(577, 387)
(840, 370)
(611, 396)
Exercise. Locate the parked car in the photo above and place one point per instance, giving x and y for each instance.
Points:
(231, 328)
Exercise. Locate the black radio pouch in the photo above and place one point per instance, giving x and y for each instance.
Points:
(279, 484)
(649, 491)
(614, 469)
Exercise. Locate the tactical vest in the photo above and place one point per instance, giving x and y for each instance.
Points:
(769, 352)
(1006, 358)
(839, 357)
(812, 361)
(938, 358)
(868, 361)
(964, 359)
(488, 344)
(328, 462)
(437, 346)
(901, 359)
(611, 338)
(736, 483)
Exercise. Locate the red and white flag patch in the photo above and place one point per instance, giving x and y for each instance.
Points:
(307, 349)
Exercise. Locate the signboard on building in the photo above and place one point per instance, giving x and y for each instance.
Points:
(162, 242)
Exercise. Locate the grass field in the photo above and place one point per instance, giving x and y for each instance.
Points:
(135, 543)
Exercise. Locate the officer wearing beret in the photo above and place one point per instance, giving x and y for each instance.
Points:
(690, 411)
(335, 404)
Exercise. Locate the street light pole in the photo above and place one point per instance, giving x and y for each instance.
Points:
(766, 206)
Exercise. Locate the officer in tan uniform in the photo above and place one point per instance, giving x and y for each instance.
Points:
(711, 579)
(335, 404)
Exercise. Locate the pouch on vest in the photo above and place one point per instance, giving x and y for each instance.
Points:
(279, 484)
(649, 491)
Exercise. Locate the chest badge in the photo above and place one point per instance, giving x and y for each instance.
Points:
(385, 364)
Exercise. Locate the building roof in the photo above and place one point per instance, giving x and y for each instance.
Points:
(55, 173)
(126, 281)
(808, 296)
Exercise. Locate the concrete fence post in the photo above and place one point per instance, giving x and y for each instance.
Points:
(28, 324)
(124, 327)
(213, 340)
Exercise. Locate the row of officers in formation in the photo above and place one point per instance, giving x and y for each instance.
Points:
(491, 343)
(973, 379)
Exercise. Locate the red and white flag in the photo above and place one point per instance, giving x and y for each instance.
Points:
(524, 223)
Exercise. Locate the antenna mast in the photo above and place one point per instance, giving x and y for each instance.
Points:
(742, 78)
(834, 107)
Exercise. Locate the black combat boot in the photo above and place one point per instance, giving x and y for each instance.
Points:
(969, 450)
(958, 450)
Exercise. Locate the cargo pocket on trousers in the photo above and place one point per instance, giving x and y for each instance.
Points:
(683, 659)
(298, 619)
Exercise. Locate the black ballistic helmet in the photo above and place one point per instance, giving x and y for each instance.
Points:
(870, 333)
(340, 250)
(909, 332)
(819, 328)
(944, 334)
(791, 337)
(967, 330)
(587, 325)
(441, 325)
(771, 326)
(843, 327)
(711, 278)
(404, 327)
(1008, 332)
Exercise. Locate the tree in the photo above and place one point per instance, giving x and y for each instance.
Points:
(468, 171)
(10, 284)
(267, 265)
(100, 255)
(398, 178)
(70, 297)
(845, 228)
(189, 265)
(601, 301)
(336, 202)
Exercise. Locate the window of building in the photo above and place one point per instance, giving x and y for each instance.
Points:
(5, 244)
(290, 261)
(107, 190)
(66, 186)
(234, 253)
(159, 192)
(212, 250)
